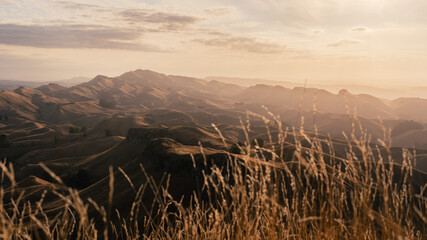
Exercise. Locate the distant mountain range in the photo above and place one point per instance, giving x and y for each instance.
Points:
(141, 91)
(13, 84)
(388, 92)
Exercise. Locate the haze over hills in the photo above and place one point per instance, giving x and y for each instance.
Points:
(13, 84)
(247, 82)
(387, 92)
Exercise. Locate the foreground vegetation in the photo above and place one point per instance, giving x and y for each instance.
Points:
(283, 190)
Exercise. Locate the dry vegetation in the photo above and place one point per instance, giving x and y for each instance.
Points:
(298, 190)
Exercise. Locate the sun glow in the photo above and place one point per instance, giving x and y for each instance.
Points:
(364, 41)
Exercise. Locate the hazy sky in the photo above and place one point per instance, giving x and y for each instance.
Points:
(361, 41)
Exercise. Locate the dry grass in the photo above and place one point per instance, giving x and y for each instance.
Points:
(266, 193)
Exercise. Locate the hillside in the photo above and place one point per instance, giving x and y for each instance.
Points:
(144, 128)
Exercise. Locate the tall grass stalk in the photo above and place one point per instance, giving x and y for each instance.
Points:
(287, 189)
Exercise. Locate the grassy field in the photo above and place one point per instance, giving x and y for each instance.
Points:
(283, 190)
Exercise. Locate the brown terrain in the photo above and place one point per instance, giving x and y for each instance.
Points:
(156, 121)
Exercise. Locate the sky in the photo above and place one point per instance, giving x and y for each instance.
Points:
(378, 42)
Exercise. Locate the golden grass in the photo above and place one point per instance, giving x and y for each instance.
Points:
(297, 190)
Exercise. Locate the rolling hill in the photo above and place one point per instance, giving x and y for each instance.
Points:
(163, 124)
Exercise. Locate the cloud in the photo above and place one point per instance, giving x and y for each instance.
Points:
(168, 21)
(218, 11)
(317, 31)
(360, 29)
(246, 44)
(76, 6)
(7, 2)
(72, 36)
(344, 42)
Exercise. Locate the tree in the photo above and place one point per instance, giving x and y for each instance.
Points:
(5, 141)
(83, 129)
(78, 180)
(108, 133)
(74, 130)
(343, 92)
